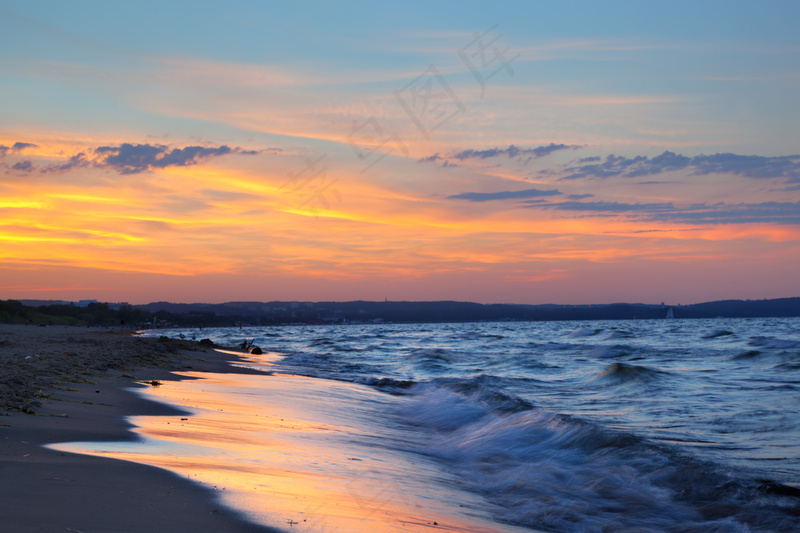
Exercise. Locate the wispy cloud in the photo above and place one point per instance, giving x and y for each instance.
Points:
(20, 146)
(503, 195)
(696, 214)
(764, 212)
(15, 148)
(751, 166)
(76, 161)
(606, 207)
(512, 152)
(127, 158)
(134, 158)
(23, 166)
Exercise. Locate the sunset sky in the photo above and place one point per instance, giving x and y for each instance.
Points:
(524, 152)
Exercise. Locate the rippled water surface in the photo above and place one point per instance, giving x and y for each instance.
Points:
(669, 425)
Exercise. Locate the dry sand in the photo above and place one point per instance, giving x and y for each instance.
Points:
(62, 384)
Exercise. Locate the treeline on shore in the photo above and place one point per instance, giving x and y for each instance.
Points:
(101, 314)
(166, 314)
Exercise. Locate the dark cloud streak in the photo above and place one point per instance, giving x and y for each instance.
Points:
(607, 207)
(502, 195)
(135, 158)
(23, 166)
(126, 158)
(511, 152)
(764, 212)
(720, 213)
(19, 146)
(76, 161)
(15, 148)
(750, 166)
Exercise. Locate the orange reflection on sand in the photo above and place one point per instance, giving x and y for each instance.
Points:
(288, 449)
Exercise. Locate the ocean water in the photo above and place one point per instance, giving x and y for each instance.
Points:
(643, 425)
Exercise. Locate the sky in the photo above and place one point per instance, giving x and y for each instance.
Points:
(573, 152)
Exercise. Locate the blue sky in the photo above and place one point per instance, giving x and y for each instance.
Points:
(714, 65)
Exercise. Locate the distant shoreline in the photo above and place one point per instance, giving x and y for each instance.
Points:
(167, 314)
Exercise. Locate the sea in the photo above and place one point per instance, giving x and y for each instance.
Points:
(632, 426)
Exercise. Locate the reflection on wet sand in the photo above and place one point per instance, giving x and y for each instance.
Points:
(298, 452)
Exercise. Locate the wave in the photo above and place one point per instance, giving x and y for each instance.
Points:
(584, 332)
(607, 352)
(748, 354)
(359, 349)
(446, 405)
(394, 386)
(771, 343)
(318, 364)
(321, 341)
(620, 334)
(554, 472)
(437, 361)
(622, 373)
(558, 346)
(434, 354)
(717, 334)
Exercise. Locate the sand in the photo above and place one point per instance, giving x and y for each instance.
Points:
(62, 384)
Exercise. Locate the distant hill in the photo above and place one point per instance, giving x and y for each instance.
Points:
(278, 312)
(451, 311)
(742, 308)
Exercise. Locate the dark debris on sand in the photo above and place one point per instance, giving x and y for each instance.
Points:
(34, 361)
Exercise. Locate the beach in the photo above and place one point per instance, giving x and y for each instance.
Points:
(493, 427)
(69, 392)
(63, 384)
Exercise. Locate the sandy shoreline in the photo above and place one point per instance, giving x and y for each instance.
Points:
(64, 384)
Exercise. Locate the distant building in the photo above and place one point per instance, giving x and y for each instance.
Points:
(85, 303)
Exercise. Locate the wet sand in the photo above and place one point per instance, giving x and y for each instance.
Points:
(62, 384)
